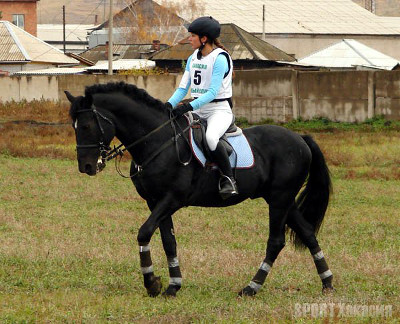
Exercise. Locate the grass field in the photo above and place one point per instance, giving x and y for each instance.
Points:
(68, 250)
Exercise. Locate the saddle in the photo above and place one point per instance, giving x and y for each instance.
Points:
(199, 127)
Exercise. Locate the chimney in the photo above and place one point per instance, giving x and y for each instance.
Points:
(156, 45)
(96, 17)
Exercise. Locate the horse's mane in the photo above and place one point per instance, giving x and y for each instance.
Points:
(129, 90)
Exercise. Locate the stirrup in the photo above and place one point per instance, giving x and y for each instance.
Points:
(229, 187)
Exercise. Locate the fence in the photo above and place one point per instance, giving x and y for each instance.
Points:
(280, 95)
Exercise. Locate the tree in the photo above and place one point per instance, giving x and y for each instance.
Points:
(145, 20)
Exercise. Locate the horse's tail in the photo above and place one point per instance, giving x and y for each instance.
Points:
(313, 200)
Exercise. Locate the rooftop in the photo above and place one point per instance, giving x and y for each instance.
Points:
(240, 44)
(300, 16)
(120, 51)
(16, 45)
(350, 53)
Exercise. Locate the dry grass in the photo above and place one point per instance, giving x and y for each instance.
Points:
(42, 129)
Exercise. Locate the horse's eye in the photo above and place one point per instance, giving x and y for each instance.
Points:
(85, 127)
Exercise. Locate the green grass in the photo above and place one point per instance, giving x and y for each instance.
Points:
(322, 124)
(68, 250)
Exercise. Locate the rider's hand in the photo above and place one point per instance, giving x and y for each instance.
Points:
(168, 106)
(181, 109)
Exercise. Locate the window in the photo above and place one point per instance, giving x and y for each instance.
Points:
(19, 20)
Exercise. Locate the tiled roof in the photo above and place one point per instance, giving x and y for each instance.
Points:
(16, 45)
(299, 16)
(53, 71)
(54, 32)
(120, 51)
(240, 44)
(349, 53)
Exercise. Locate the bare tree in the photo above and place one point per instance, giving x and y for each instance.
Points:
(145, 20)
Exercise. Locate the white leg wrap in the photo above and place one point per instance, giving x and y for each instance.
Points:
(144, 248)
(147, 269)
(265, 267)
(173, 262)
(325, 274)
(255, 286)
(175, 281)
(318, 256)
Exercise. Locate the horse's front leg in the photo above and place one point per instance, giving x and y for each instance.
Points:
(169, 244)
(161, 211)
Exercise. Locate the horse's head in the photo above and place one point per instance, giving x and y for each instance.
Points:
(94, 132)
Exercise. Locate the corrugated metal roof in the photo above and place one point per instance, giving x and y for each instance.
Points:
(54, 71)
(350, 53)
(10, 50)
(120, 51)
(54, 32)
(240, 44)
(299, 16)
(21, 46)
(122, 65)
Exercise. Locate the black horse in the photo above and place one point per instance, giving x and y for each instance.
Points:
(159, 148)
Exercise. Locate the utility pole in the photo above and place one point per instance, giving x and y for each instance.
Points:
(263, 28)
(110, 40)
(104, 10)
(64, 28)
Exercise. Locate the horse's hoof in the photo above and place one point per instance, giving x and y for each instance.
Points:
(247, 291)
(328, 290)
(171, 291)
(155, 288)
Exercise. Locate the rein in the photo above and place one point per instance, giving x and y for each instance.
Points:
(107, 154)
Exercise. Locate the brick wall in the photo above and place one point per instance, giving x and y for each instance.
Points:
(26, 8)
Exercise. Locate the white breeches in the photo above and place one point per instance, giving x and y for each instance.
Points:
(219, 117)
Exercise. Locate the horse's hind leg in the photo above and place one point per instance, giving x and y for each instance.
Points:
(169, 244)
(276, 242)
(305, 232)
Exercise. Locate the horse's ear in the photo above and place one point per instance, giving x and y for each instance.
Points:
(70, 97)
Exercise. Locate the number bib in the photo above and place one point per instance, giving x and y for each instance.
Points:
(201, 75)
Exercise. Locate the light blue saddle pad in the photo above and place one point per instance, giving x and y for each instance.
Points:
(241, 158)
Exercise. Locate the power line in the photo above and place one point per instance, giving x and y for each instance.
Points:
(80, 24)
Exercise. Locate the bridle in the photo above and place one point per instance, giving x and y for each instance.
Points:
(107, 154)
(104, 149)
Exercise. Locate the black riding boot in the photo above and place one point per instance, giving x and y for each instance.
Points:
(227, 184)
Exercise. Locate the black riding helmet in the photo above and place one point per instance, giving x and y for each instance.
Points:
(205, 26)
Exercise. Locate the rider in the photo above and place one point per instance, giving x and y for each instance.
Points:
(209, 75)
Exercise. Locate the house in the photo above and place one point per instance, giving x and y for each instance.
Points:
(123, 51)
(21, 13)
(350, 54)
(247, 51)
(76, 36)
(21, 51)
(141, 22)
(301, 27)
